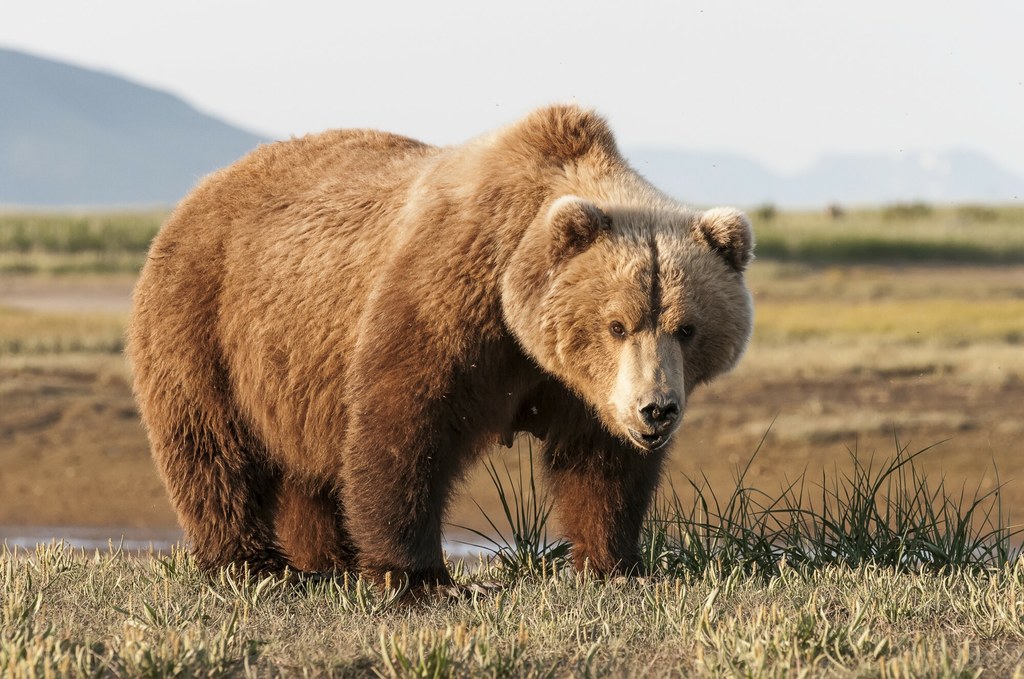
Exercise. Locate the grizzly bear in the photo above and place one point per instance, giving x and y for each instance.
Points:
(327, 333)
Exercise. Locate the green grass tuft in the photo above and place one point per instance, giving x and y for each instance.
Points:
(520, 543)
(890, 515)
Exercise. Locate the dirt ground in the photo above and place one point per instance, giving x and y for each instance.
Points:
(71, 293)
(73, 453)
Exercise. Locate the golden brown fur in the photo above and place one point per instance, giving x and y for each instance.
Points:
(328, 332)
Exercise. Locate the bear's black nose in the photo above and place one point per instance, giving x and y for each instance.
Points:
(660, 413)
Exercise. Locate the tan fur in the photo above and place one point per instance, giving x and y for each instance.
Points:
(335, 326)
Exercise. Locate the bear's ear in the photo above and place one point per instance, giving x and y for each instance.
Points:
(575, 224)
(728, 232)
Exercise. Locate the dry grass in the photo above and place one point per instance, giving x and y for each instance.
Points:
(33, 332)
(980, 363)
(955, 321)
(898, 234)
(746, 586)
(75, 614)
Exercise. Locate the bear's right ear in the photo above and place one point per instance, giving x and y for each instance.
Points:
(575, 224)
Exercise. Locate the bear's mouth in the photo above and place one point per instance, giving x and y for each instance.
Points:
(648, 441)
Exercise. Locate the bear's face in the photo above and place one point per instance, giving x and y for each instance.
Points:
(632, 308)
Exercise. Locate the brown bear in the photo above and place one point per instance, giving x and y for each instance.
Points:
(327, 333)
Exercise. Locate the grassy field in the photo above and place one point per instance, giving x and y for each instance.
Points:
(74, 614)
(905, 322)
(899, 234)
(915, 233)
(26, 332)
(890, 579)
(76, 243)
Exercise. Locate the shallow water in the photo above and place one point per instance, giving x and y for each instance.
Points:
(159, 540)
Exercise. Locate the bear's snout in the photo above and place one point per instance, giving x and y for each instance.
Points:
(659, 412)
(656, 419)
(648, 397)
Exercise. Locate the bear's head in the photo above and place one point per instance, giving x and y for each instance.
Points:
(631, 307)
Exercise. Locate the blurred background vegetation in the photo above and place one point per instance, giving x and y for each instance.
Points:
(905, 319)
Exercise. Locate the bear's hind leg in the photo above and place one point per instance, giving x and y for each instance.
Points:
(310, 525)
(223, 492)
(216, 469)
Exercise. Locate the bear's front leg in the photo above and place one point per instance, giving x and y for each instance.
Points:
(602, 491)
(395, 492)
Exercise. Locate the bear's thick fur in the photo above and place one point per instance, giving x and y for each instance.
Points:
(329, 331)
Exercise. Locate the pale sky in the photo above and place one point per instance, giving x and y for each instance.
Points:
(781, 82)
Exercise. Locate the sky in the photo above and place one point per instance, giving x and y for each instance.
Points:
(782, 82)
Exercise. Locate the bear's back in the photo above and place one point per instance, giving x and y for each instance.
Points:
(317, 168)
(293, 226)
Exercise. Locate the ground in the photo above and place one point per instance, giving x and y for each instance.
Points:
(842, 357)
(70, 613)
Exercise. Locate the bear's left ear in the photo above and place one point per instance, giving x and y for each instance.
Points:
(575, 224)
(728, 232)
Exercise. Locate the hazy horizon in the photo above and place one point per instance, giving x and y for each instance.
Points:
(781, 82)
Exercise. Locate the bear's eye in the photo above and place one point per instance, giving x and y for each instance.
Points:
(685, 333)
(617, 329)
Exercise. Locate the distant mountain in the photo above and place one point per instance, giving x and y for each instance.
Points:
(72, 136)
(948, 177)
(705, 178)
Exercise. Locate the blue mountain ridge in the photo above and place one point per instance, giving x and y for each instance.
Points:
(955, 176)
(71, 136)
